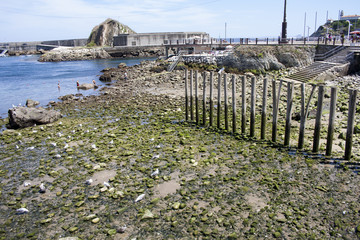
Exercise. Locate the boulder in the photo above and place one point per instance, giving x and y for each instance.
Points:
(21, 117)
(87, 86)
(103, 34)
(32, 103)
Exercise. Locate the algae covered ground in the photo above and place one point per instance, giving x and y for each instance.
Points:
(210, 184)
(125, 165)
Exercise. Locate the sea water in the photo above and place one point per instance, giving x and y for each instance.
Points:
(24, 77)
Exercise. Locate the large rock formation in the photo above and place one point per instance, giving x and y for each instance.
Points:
(102, 35)
(267, 58)
(21, 117)
(73, 54)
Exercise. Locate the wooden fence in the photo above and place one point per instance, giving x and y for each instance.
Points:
(192, 86)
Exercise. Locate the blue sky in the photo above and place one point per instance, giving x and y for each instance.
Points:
(37, 20)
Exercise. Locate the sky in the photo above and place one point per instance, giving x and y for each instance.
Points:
(40, 20)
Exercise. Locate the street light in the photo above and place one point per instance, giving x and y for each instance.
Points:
(284, 27)
(349, 30)
(308, 33)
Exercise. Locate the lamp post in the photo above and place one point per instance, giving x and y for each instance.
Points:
(348, 30)
(284, 27)
(308, 33)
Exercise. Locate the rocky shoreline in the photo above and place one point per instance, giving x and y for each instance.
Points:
(73, 54)
(155, 176)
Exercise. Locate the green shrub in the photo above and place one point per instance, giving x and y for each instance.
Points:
(91, 44)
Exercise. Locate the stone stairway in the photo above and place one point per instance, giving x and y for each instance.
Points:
(314, 70)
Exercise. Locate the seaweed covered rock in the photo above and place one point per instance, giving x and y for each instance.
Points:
(21, 117)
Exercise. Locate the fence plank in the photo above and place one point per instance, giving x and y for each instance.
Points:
(204, 99)
(263, 113)
(290, 91)
(211, 100)
(226, 103)
(233, 104)
(196, 98)
(318, 119)
(276, 101)
(331, 121)
(186, 96)
(191, 96)
(219, 101)
(243, 105)
(350, 123)
(304, 114)
(252, 108)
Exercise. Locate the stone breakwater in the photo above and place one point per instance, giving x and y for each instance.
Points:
(73, 54)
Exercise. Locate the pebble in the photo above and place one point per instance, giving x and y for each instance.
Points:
(89, 181)
(139, 198)
(156, 172)
(122, 229)
(22, 211)
(42, 188)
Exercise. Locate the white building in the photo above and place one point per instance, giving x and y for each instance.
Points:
(160, 39)
(350, 17)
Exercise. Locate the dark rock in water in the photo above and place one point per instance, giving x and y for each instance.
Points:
(87, 86)
(103, 34)
(31, 103)
(106, 77)
(21, 117)
(122, 65)
(68, 97)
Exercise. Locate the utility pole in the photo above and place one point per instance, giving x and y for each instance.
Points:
(284, 27)
(225, 31)
(304, 25)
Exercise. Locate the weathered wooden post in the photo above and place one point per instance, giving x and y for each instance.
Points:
(276, 100)
(219, 101)
(263, 112)
(211, 100)
(226, 103)
(186, 96)
(302, 118)
(252, 108)
(290, 91)
(196, 98)
(233, 104)
(243, 104)
(318, 119)
(191, 96)
(331, 121)
(350, 123)
(304, 113)
(204, 99)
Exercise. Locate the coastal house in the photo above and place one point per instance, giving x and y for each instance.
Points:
(350, 17)
(160, 39)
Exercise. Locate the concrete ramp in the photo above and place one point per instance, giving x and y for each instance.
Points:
(2, 54)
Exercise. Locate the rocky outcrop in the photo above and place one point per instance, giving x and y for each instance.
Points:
(73, 54)
(267, 58)
(87, 86)
(103, 34)
(21, 117)
(32, 103)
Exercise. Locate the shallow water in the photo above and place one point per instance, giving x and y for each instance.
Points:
(23, 77)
